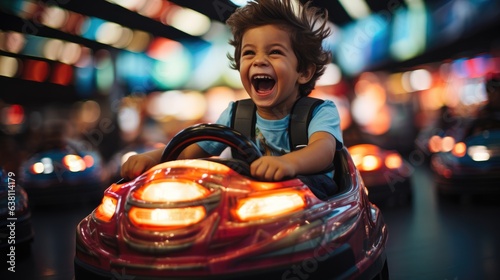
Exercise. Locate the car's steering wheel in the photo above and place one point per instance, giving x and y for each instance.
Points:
(246, 150)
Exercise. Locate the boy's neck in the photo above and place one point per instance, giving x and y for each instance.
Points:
(278, 112)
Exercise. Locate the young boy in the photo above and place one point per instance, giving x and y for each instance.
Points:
(279, 54)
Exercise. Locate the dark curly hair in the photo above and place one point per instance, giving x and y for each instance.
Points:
(307, 26)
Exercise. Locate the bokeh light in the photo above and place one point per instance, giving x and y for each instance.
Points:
(9, 66)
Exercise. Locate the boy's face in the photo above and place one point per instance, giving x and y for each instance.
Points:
(268, 70)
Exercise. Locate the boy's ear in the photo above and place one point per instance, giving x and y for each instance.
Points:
(306, 75)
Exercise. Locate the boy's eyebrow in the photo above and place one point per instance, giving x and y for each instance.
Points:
(270, 45)
(247, 45)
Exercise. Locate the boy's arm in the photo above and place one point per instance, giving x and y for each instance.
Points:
(316, 156)
(137, 164)
(313, 158)
(193, 151)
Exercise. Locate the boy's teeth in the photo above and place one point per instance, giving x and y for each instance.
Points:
(262, 77)
(263, 83)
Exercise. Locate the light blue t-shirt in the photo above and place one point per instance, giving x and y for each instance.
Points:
(272, 135)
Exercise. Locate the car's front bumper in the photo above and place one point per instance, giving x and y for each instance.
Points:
(460, 179)
(282, 257)
(340, 264)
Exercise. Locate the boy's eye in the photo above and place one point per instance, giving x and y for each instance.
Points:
(276, 52)
(247, 52)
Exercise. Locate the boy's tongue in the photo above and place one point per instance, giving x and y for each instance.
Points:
(264, 86)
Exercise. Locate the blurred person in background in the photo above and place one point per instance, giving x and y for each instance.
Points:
(488, 116)
(492, 107)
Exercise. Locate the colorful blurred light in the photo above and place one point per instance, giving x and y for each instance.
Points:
(331, 76)
(62, 74)
(9, 66)
(188, 21)
(174, 70)
(129, 119)
(54, 17)
(393, 161)
(12, 115)
(12, 41)
(217, 99)
(459, 149)
(105, 71)
(36, 70)
(420, 79)
(409, 31)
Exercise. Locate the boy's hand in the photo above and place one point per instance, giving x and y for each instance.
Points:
(272, 168)
(137, 164)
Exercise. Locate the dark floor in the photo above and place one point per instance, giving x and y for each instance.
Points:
(442, 238)
(430, 238)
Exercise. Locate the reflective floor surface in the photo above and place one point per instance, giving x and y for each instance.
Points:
(430, 238)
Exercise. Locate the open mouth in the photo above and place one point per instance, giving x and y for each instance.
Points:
(263, 83)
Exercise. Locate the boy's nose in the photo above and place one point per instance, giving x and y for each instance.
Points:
(260, 61)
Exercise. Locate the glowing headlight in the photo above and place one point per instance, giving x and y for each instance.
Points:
(44, 166)
(106, 209)
(168, 217)
(171, 191)
(74, 163)
(459, 149)
(393, 161)
(369, 163)
(260, 207)
(89, 161)
(447, 144)
(434, 144)
(37, 168)
(479, 153)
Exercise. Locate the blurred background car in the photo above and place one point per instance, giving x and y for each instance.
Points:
(439, 134)
(472, 165)
(385, 174)
(62, 169)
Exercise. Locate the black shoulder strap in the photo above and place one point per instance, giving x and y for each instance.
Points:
(300, 117)
(243, 119)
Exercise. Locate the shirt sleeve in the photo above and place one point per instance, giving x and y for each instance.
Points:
(326, 118)
(216, 148)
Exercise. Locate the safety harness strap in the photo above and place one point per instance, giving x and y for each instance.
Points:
(300, 118)
(243, 119)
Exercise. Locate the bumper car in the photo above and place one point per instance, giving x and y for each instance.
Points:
(431, 138)
(472, 165)
(385, 174)
(16, 230)
(208, 219)
(64, 175)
